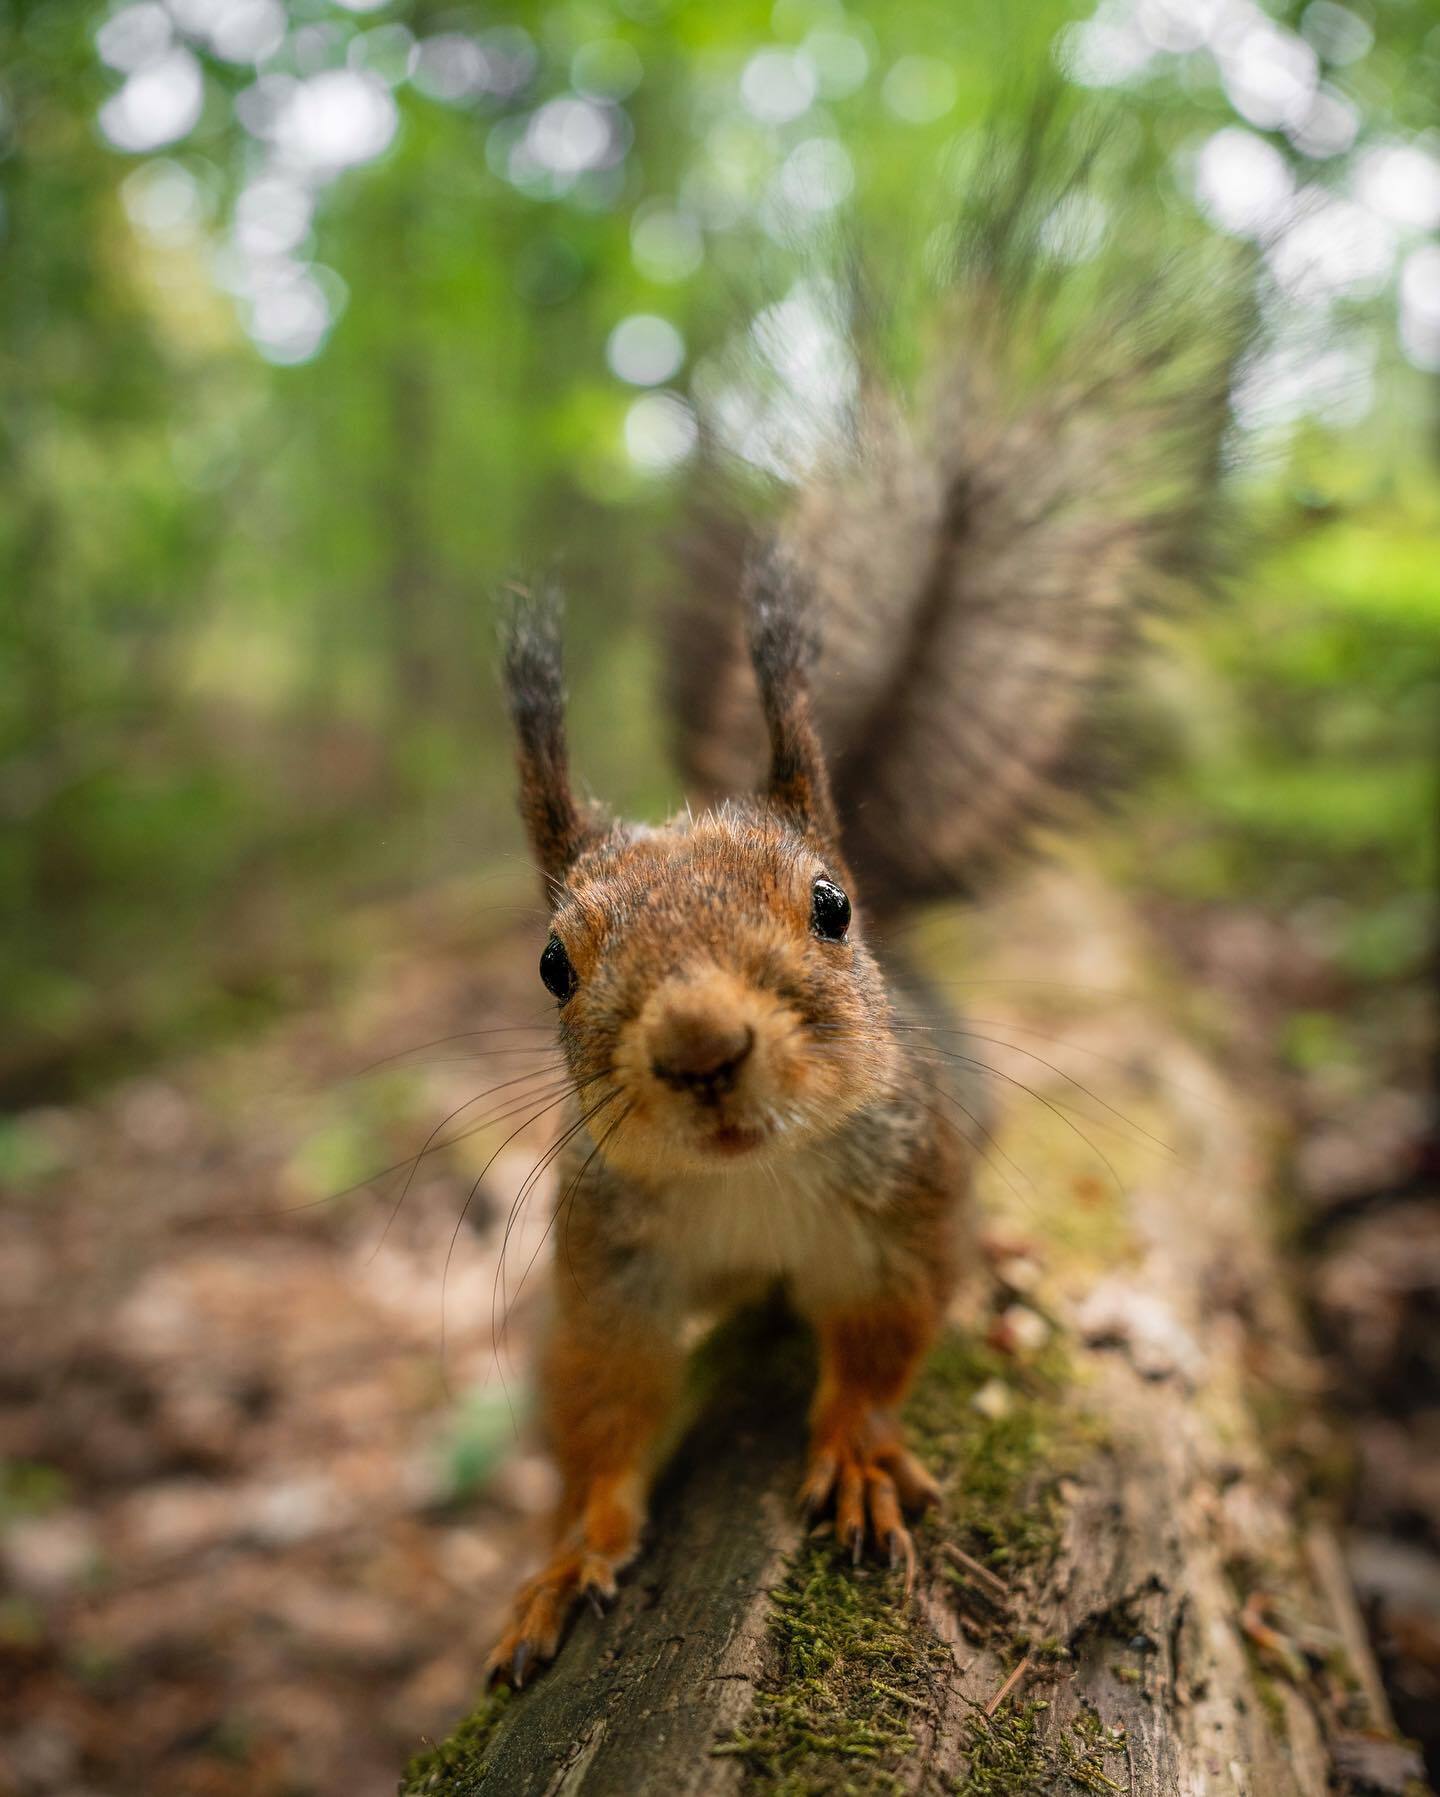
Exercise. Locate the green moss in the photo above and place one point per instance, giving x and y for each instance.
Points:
(1010, 1758)
(1268, 1694)
(456, 1766)
(999, 1474)
(1006, 1758)
(854, 1671)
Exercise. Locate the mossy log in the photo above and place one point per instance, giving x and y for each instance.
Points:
(1131, 1585)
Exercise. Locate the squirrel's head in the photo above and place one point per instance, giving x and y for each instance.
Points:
(716, 997)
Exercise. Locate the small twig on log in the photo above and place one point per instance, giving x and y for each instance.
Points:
(994, 1585)
(1009, 1685)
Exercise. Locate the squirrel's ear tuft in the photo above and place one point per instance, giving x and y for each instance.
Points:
(535, 691)
(784, 647)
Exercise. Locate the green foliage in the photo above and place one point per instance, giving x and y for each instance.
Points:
(1312, 773)
(246, 638)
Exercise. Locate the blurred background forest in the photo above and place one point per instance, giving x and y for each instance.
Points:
(317, 317)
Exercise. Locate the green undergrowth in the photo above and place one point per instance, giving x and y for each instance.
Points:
(856, 1674)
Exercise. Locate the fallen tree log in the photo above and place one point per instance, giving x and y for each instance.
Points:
(1127, 1587)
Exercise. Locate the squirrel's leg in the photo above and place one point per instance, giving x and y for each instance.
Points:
(858, 1460)
(608, 1384)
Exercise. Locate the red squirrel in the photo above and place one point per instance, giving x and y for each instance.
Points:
(920, 635)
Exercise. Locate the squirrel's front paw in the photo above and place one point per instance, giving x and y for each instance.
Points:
(542, 1607)
(872, 1480)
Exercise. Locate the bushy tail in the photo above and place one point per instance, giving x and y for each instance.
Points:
(982, 552)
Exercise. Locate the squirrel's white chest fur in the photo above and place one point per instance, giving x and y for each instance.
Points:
(788, 1218)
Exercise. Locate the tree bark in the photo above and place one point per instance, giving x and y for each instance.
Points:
(1126, 1588)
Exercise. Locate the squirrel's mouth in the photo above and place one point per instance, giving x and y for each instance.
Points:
(732, 1138)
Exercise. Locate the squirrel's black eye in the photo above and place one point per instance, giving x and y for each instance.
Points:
(829, 911)
(556, 970)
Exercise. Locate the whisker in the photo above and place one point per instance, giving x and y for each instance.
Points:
(464, 1211)
(429, 1140)
(1047, 985)
(566, 1202)
(844, 1033)
(986, 1135)
(937, 1055)
(1094, 1054)
(371, 1179)
(440, 1041)
(558, 1069)
(1040, 1098)
(940, 1054)
(459, 1060)
(828, 1050)
(527, 1186)
(1060, 1073)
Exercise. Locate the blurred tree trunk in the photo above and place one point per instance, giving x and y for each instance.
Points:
(1125, 1590)
(407, 561)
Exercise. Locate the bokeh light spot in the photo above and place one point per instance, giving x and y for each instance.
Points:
(1402, 183)
(158, 104)
(163, 200)
(1271, 76)
(337, 120)
(1242, 182)
(816, 176)
(777, 86)
(1420, 307)
(248, 30)
(272, 216)
(1329, 128)
(645, 350)
(138, 35)
(666, 243)
(1336, 33)
(920, 89)
(1336, 248)
(841, 62)
(660, 432)
(569, 135)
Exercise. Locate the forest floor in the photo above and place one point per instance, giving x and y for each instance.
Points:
(260, 1501)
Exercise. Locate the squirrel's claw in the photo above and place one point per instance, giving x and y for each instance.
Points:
(543, 1607)
(901, 1548)
(600, 1598)
(869, 1489)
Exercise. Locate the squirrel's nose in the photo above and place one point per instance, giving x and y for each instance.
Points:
(698, 1053)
